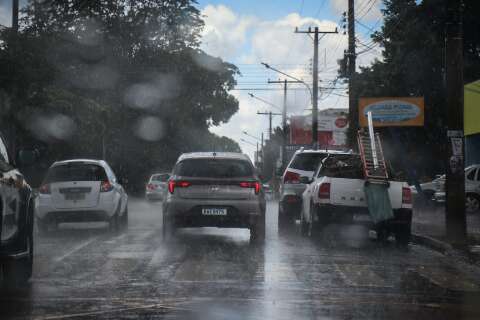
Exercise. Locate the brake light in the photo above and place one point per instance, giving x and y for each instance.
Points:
(44, 189)
(151, 186)
(406, 195)
(106, 186)
(291, 177)
(324, 191)
(252, 184)
(172, 184)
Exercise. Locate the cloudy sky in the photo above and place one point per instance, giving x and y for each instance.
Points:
(248, 32)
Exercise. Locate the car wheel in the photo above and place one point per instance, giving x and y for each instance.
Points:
(17, 273)
(168, 228)
(303, 226)
(403, 234)
(42, 227)
(285, 221)
(114, 222)
(472, 203)
(124, 218)
(257, 231)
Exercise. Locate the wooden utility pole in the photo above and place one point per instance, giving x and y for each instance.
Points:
(352, 57)
(316, 32)
(455, 173)
(270, 116)
(284, 115)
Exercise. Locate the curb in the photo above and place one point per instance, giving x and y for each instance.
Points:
(432, 243)
(446, 249)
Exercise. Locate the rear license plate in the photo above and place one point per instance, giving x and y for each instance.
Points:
(214, 212)
(75, 196)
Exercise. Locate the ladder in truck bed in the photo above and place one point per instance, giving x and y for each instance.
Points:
(371, 153)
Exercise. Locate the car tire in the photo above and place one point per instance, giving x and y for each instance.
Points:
(472, 203)
(42, 227)
(403, 233)
(303, 226)
(257, 231)
(124, 218)
(114, 222)
(17, 273)
(168, 228)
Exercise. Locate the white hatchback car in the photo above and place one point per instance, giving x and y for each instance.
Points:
(81, 191)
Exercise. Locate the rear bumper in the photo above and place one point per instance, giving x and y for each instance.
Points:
(240, 213)
(75, 216)
(46, 210)
(357, 215)
(12, 256)
(291, 197)
(154, 195)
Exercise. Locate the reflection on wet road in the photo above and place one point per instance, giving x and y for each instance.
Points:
(83, 271)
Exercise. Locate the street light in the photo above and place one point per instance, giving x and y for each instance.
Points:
(247, 134)
(264, 101)
(291, 77)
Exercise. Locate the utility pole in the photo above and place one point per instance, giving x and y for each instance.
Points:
(270, 115)
(455, 173)
(284, 115)
(352, 57)
(316, 32)
(15, 15)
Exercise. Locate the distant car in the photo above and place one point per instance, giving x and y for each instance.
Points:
(429, 188)
(157, 186)
(214, 189)
(302, 165)
(472, 189)
(81, 191)
(16, 221)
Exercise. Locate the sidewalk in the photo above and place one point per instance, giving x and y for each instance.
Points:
(428, 227)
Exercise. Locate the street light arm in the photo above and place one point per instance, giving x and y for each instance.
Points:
(264, 101)
(289, 76)
(248, 142)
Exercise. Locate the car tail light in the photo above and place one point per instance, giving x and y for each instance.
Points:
(44, 189)
(252, 184)
(106, 186)
(406, 195)
(172, 184)
(324, 191)
(291, 177)
(151, 186)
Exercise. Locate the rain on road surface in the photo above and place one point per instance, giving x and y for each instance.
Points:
(85, 272)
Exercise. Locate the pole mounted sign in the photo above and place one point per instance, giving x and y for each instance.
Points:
(392, 112)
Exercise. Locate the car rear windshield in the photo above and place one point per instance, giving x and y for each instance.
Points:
(76, 172)
(160, 177)
(214, 168)
(342, 166)
(307, 161)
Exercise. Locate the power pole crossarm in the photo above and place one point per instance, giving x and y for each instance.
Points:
(314, 93)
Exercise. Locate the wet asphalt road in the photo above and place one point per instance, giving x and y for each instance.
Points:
(85, 272)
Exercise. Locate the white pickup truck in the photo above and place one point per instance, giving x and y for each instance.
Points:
(336, 195)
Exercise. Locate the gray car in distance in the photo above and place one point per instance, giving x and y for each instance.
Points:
(157, 186)
(209, 189)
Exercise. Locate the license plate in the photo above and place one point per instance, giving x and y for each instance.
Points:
(214, 212)
(75, 196)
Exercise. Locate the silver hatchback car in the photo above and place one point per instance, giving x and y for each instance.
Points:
(214, 189)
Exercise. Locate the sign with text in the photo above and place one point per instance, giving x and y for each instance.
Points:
(392, 112)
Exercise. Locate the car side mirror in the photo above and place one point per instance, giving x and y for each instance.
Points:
(305, 180)
(26, 157)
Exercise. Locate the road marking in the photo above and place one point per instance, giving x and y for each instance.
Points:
(361, 276)
(75, 249)
(449, 280)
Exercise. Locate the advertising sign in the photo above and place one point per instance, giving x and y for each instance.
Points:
(392, 112)
(332, 128)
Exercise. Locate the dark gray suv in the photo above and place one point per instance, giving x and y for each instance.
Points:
(209, 189)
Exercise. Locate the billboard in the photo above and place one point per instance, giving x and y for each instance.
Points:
(472, 108)
(332, 128)
(392, 112)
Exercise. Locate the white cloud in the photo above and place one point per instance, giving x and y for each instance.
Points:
(5, 17)
(250, 40)
(224, 32)
(367, 10)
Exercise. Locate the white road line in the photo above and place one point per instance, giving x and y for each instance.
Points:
(75, 249)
